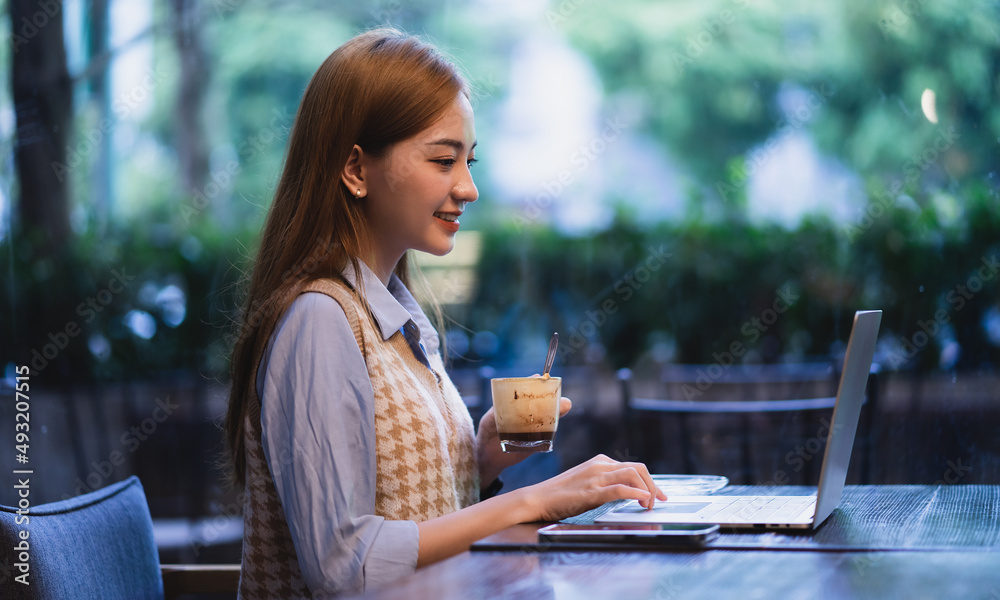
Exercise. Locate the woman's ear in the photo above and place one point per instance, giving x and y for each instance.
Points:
(353, 174)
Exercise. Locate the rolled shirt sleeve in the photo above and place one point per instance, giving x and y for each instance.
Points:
(318, 426)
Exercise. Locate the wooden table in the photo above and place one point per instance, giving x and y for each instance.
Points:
(882, 542)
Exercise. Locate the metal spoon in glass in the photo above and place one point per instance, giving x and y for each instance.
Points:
(551, 357)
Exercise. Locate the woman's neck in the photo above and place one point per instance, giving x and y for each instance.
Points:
(382, 267)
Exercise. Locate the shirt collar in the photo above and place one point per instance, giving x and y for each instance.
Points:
(392, 306)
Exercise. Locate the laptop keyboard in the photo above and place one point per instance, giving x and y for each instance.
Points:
(756, 509)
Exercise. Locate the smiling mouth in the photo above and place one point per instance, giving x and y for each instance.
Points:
(450, 217)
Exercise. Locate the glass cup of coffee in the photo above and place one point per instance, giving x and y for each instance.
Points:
(527, 412)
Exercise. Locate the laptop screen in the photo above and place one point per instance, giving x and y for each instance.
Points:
(847, 411)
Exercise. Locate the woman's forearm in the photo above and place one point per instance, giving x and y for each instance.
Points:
(453, 533)
(572, 492)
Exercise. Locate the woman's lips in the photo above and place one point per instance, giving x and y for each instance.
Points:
(449, 221)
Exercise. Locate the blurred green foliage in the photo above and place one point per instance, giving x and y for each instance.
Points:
(700, 287)
(103, 281)
(705, 68)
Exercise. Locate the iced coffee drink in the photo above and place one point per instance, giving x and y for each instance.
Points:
(527, 412)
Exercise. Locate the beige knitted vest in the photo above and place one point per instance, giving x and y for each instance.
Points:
(424, 446)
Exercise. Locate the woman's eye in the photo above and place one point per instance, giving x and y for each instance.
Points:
(450, 162)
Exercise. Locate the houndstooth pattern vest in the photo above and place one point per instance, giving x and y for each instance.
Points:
(424, 442)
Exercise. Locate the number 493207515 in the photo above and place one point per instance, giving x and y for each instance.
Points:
(22, 416)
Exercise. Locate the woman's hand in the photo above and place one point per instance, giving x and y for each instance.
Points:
(491, 459)
(581, 488)
(590, 485)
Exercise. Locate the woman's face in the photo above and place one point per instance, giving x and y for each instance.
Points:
(418, 190)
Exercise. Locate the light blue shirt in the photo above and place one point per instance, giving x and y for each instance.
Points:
(318, 432)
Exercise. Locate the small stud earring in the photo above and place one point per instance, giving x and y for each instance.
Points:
(359, 192)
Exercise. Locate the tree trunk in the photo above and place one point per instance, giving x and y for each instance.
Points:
(46, 332)
(100, 179)
(192, 148)
(42, 93)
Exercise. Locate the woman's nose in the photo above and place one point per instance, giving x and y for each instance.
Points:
(465, 188)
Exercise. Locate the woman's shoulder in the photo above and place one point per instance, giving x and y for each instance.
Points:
(312, 304)
(313, 325)
(313, 322)
(331, 287)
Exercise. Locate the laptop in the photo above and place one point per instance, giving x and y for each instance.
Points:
(783, 512)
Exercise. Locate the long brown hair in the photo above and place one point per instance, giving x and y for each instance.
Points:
(378, 89)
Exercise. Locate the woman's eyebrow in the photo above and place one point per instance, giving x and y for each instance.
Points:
(456, 144)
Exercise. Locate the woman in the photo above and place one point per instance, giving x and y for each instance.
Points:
(359, 460)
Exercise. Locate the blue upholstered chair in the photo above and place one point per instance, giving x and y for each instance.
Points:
(98, 545)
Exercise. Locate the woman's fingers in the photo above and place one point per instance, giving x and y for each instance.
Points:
(593, 483)
(627, 492)
(564, 405)
(631, 474)
(647, 479)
